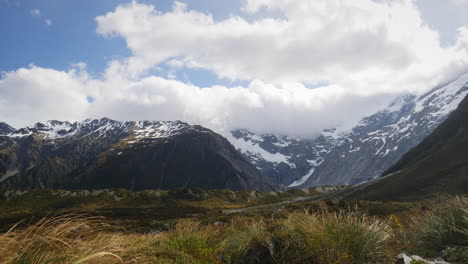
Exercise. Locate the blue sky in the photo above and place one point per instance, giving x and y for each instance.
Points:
(72, 37)
(291, 67)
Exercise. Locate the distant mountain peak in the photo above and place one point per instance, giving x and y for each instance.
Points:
(356, 155)
(104, 153)
(54, 129)
(437, 165)
(5, 128)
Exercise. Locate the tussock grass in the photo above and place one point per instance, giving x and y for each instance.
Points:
(298, 238)
(247, 241)
(310, 238)
(62, 239)
(337, 237)
(319, 237)
(446, 224)
(190, 241)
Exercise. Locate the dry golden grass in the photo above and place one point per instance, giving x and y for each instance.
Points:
(299, 237)
(340, 237)
(64, 239)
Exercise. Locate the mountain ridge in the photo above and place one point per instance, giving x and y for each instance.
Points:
(359, 154)
(60, 154)
(438, 164)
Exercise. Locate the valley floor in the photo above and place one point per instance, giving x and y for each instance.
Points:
(198, 226)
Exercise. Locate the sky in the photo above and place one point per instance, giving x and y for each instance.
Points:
(291, 67)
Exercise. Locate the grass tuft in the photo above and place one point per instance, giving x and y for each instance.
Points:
(71, 238)
(335, 238)
(311, 238)
(446, 224)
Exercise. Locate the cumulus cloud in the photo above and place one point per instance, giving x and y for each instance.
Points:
(366, 52)
(359, 44)
(294, 110)
(32, 94)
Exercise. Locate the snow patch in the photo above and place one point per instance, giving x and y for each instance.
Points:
(302, 180)
(8, 174)
(252, 148)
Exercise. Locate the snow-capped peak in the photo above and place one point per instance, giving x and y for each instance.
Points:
(53, 129)
(159, 129)
(356, 154)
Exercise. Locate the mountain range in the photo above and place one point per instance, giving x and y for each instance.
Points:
(439, 164)
(355, 155)
(137, 155)
(104, 153)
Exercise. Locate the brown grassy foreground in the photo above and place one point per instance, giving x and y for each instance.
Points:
(323, 237)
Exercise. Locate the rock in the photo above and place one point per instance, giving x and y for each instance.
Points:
(404, 258)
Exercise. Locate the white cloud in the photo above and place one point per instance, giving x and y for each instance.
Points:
(362, 45)
(33, 94)
(35, 12)
(48, 22)
(366, 51)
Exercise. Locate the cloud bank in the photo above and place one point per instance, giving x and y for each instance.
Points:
(364, 51)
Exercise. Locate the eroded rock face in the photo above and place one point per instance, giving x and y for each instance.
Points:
(357, 155)
(104, 153)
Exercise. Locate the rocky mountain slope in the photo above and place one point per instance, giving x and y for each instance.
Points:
(357, 155)
(439, 164)
(103, 153)
(5, 129)
(288, 161)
